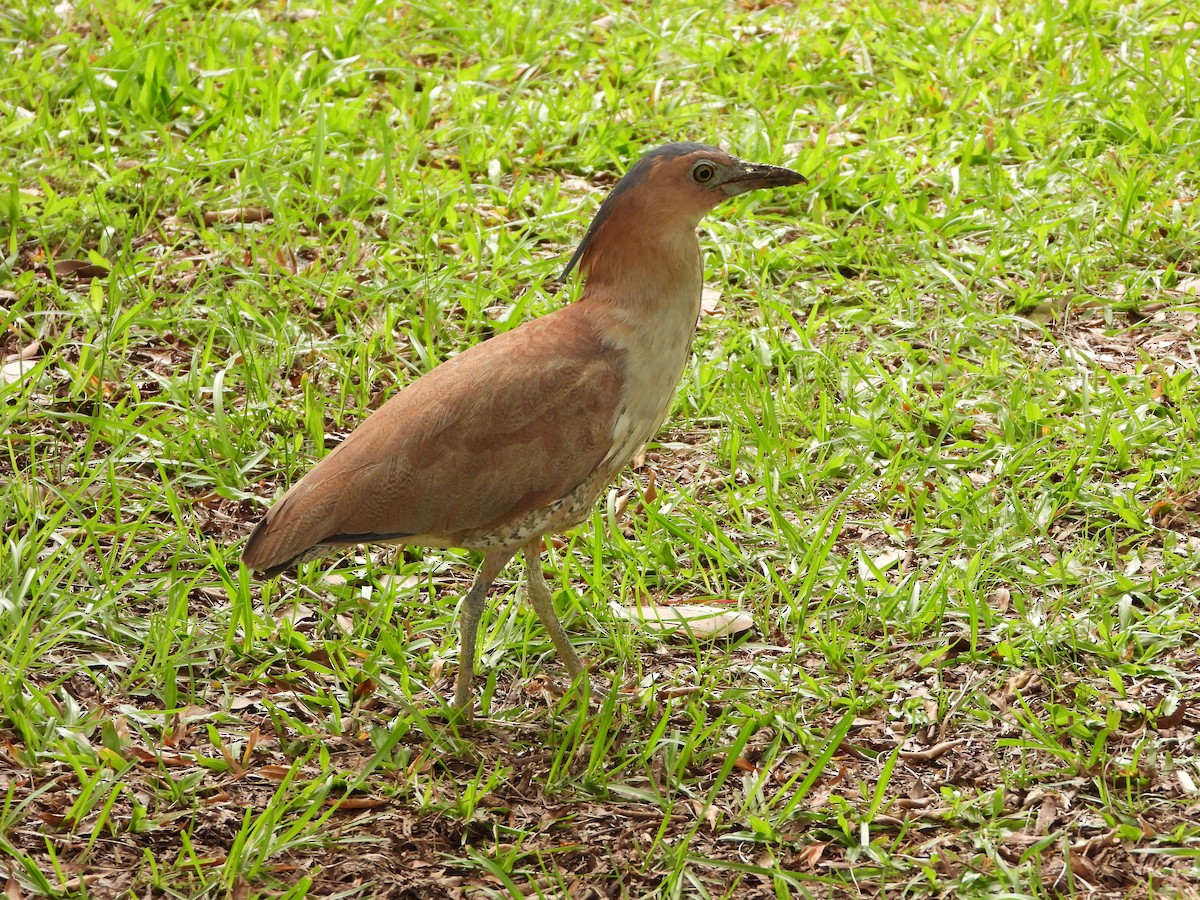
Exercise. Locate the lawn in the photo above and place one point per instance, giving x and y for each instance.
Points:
(936, 439)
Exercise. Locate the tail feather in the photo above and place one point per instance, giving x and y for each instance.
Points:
(272, 550)
(261, 552)
(282, 540)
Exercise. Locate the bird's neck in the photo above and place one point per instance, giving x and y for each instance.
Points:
(645, 272)
(643, 303)
(643, 295)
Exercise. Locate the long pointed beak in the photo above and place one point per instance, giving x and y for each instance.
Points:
(752, 176)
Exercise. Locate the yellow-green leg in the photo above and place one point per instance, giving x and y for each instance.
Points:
(472, 610)
(539, 598)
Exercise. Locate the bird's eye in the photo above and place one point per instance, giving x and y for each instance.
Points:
(702, 172)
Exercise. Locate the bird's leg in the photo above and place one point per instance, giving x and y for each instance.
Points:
(539, 598)
(472, 609)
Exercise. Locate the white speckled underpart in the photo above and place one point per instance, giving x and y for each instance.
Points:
(564, 513)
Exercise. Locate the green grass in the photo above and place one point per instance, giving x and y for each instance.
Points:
(938, 439)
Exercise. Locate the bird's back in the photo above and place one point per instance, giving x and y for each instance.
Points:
(506, 428)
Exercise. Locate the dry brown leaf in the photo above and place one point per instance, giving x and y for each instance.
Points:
(399, 582)
(18, 365)
(32, 350)
(1186, 782)
(251, 742)
(1173, 714)
(72, 885)
(79, 268)
(931, 753)
(107, 389)
(364, 688)
(12, 372)
(195, 713)
(237, 214)
(1189, 285)
(811, 855)
(650, 493)
(619, 505)
(686, 618)
(1047, 814)
(710, 303)
(142, 755)
(358, 803)
(1000, 599)
(888, 558)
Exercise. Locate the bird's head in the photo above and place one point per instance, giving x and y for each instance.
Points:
(674, 186)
